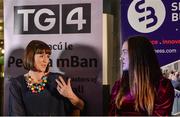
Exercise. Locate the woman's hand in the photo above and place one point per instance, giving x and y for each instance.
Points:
(66, 91)
(63, 88)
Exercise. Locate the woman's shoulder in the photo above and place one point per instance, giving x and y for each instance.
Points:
(165, 86)
(19, 78)
(165, 82)
(50, 74)
(116, 86)
(117, 83)
(55, 75)
(17, 82)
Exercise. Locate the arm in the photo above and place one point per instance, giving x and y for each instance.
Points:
(16, 106)
(66, 91)
(164, 102)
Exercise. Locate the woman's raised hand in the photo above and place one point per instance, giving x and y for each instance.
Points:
(63, 88)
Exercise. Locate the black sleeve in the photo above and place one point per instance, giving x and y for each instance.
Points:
(84, 110)
(68, 107)
(16, 106)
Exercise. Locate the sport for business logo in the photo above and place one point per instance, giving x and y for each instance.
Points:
(146, 16)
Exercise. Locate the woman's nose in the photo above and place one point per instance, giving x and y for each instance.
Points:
(46, 59)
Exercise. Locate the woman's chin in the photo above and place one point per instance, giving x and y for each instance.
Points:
(125, 69)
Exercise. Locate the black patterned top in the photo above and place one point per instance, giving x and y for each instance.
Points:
(45, 103)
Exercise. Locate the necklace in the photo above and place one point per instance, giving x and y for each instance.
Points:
(36, 87)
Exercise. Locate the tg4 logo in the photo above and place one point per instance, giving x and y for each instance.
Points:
(47, 19)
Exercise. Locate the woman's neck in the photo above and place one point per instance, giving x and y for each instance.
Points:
(35, 75)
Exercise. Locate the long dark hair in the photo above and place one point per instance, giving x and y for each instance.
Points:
(143, 75)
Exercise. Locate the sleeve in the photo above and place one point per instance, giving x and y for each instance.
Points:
(68, 107)
(114, 92)
(164, 102)
(82, 112)
(16, 106)
(71, 110)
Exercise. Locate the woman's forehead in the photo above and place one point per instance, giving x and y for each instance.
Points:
(125, 46)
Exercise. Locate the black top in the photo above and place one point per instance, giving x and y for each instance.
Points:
(46, 102)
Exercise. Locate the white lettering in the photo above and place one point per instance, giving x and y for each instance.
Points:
(25, 14)
(175, 17)
(79, 21)
(174, 6)
(51, 21)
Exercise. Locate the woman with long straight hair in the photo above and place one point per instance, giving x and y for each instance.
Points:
(142, 90)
